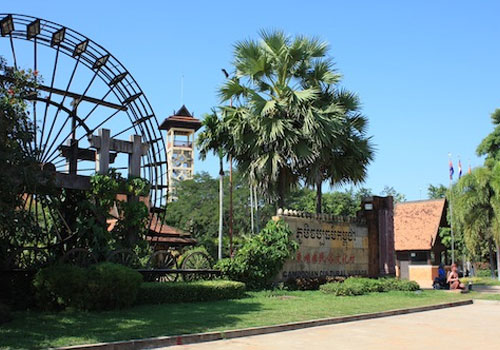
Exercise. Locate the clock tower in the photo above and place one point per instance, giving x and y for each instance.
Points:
(180, 129)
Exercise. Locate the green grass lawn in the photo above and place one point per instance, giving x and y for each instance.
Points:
(32, 330)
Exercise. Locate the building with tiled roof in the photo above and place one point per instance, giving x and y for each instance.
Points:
(163, 236)
(416, 234)
(159, 235)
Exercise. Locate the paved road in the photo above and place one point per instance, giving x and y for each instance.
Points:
(474, 326)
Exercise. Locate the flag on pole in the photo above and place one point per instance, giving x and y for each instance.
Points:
(459, 169)
(452, 171)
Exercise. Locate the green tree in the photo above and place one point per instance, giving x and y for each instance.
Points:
(215, 138)
(346, 203)
(275, 119)
(391, 191)
(436, 192)
(196, 203)
(476, 208)
(20, 172)
(490, 145)
(344, 156)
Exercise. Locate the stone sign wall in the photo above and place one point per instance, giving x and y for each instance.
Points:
(328, 246)
(342, 246)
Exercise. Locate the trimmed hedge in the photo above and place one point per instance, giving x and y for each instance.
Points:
(310, 283)
(359, 286)
(184, 292)
(103, 286)
(401, 285)
(61, 286)
(112, 286)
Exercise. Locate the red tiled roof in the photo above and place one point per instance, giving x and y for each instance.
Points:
(158, 231)
(416, 224)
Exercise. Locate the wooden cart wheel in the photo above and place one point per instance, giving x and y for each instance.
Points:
(164, 259)
(80, 257)
(198, 261)
(124, 257)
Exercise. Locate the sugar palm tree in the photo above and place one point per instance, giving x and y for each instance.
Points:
(274, 117)
(344, 156)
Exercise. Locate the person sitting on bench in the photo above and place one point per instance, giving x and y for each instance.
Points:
(453, 280)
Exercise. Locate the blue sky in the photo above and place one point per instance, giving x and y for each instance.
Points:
(427, 72)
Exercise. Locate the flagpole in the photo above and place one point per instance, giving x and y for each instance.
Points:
(451, 214)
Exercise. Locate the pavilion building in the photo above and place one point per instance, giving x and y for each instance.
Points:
(418, 246)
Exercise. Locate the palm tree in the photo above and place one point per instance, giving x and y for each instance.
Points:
(274, 117)
(213, 139)
(476, 208)
(345, 155)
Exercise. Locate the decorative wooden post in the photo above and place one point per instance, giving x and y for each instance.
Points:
(135, 149)
(102, 154)
(134, 159)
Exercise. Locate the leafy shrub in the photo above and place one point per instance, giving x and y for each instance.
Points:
(310, 283)
(360, 286)
(261, 257)
(353, 286)
(100, 287)
(61, 286)
(183, 292)
(401, 285)
(111, 286)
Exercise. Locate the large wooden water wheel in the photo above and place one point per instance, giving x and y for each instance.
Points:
(81, 88)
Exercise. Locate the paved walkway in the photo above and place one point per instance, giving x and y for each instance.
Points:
(487, 289)
(474, 326)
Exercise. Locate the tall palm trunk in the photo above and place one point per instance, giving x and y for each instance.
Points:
(319, 197)
(221, 203)
(256, 203)
(251, 210)
(281, 189)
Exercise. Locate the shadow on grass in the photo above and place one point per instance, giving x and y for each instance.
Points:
(34, 330)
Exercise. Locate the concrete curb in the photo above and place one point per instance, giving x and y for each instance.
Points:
(148, 343)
